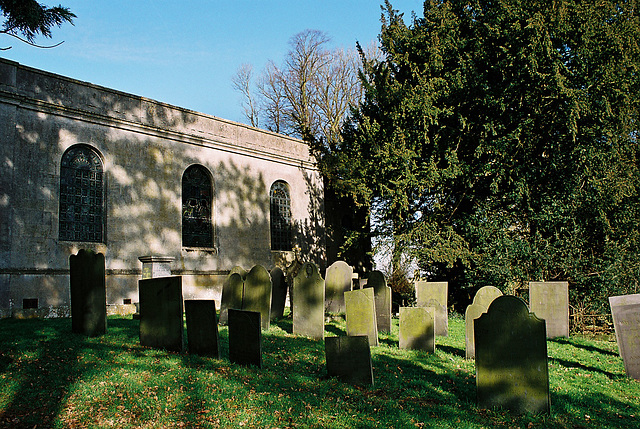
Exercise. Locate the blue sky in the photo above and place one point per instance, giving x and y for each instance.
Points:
(186, 52)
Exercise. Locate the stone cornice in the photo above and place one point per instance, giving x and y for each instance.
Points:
(142, 115)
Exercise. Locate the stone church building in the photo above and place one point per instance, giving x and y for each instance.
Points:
(87, 167)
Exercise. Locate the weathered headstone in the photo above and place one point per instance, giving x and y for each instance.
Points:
(232, 293)
(361, 314)
(161, 316)
(239, 270)
(435, 294)
(245, 337)
(308, 302)
(625, 310)
(338, 281)
(416, 330)
(278, 293)
(257, 294)
(156, 266)
(349, 359)
(382, 293)
(202, 327)
(481, 301)
(550, 301)
(88, 293)
(511, 358)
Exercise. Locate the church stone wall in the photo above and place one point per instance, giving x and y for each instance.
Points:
(145, 147)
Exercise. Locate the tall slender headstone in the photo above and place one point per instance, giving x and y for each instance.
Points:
(257, 294)
(232, 293)
(481, 301)
(278, 293)
(161, 316)
(88, 293)
(435, 294)
(625, 310)
(360, 308)
(349, 359)
(382, 293)
(338, 281)
(308, 302)
(550, 301)
(202, 327)
(416, 330)
(245, 337)
(511, 358)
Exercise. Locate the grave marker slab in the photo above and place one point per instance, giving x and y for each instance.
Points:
(338, 281)
(550, 301)
(278, 293)
(202, 327)
(232, 293)
(435, 294)
(361, 314)
(257, 294)
(161, 317)
(417, 329)
(239, 270)
(511, 358)
(382, 293)
(245, 337)
(308, 302)
(88, 293)
(625, 310)
(481, 301)
(349, 359)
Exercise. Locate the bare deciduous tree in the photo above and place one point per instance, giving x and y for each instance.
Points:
(310, 94)
(242, 83)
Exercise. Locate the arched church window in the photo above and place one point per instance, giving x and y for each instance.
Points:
(280, 216)
(81, 216)
(197, 201)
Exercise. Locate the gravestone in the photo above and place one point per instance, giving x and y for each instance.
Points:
(245, 337)
(625, 310)
(481, 301)
(511, 358)
(232, 293)
(156, 266)
(308, 302)
(202, 327)
(161, 317)
(88, 293)
(550, 301)
(257, 294)
(382, 293)
(349, 359)
(278, 293)
(435, 294)
(337, 282)
(361, 314)
(239, 270)
(416, 330)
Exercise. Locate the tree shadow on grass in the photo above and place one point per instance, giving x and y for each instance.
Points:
(452, 350)
(588, 348)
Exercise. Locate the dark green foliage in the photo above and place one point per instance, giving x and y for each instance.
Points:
(30, 18)
(497, 141)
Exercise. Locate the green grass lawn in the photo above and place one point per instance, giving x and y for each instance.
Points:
(50, 377)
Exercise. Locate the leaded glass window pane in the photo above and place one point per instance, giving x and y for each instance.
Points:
(280, 216)
(197, 228)
(81, 216)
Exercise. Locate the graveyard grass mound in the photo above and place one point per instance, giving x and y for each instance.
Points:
(50, 377)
